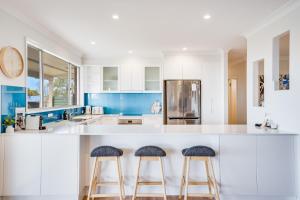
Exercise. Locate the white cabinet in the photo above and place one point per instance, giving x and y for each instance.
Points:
(131, 78)
(60, 154)
(92, 79)
(22, 165)
(276, 165)
(238, 165)
(172, 71)
(110, 78)
(152, 79)
(192, 71)
(1, 164)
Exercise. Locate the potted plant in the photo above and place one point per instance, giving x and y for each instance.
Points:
(8, 123)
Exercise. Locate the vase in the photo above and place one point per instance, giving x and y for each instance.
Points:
(10, 129)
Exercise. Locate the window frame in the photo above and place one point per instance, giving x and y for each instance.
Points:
(41, 76)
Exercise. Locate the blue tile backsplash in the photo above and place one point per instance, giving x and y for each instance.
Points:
(11, 97)
(125, 103)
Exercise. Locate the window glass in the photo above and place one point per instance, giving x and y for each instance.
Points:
(33, 78)
(55, 81)
(73, 84)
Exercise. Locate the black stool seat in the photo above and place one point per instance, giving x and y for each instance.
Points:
(106, 151)
(199, 151)
(150, 151)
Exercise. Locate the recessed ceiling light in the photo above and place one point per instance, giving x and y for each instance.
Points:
(206, 16)
(130, 52)
(184, 49)
(93, 42)
(115, 17)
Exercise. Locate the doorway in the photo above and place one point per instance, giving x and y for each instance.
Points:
(232, 94)
(237, 86)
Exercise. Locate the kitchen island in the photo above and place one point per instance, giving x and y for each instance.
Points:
(251, 163)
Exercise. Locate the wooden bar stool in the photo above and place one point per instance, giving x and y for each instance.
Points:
(149, 153)
(100, 154)
(199, 153)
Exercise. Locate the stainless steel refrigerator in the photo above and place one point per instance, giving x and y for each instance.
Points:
(182, 102)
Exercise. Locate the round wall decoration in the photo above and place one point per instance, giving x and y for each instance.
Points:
(11, 62)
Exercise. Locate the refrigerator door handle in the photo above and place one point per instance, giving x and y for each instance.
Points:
(170, 118)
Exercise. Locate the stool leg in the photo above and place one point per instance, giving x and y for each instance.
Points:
(163, 178)
(119, 177)
(182, 178)
(137, 178)
(187, 178)
(217, 196)
(122, 178)
(208, 176)
(92, 179)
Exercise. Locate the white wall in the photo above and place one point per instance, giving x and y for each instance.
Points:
(283, 106)
(14, 33)
(209, 69)
(237, 70)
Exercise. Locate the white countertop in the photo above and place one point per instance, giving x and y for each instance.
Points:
(75, 129)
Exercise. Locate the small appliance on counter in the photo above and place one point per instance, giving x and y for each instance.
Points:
(34, 122)
(20, 119)
(88, 110)
(97, 110)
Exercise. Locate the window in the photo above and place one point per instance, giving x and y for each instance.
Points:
(33, 78)
(52, 82)
(281, 61)
(74, 84)
(259, 82)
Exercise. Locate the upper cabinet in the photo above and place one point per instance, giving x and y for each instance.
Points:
(131, 78)
(125, 78)
(92, 79)
(152, 79)
(110, 79)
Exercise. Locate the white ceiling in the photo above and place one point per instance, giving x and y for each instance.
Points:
(148, 27)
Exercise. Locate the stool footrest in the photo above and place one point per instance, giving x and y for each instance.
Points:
(201, 195)
(150, 183)
(197, 183)
(149, 195)
(104, 195)
(107, 183)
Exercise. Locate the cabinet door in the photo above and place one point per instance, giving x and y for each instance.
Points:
(238, 165)
(110, 79)
(60, 169)
(1, 164)
(192, 71)
(137, 78)
(22, 165)
(92, 79)
(125, 78)
(172, 68)
(276, 165)
(152, 79)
